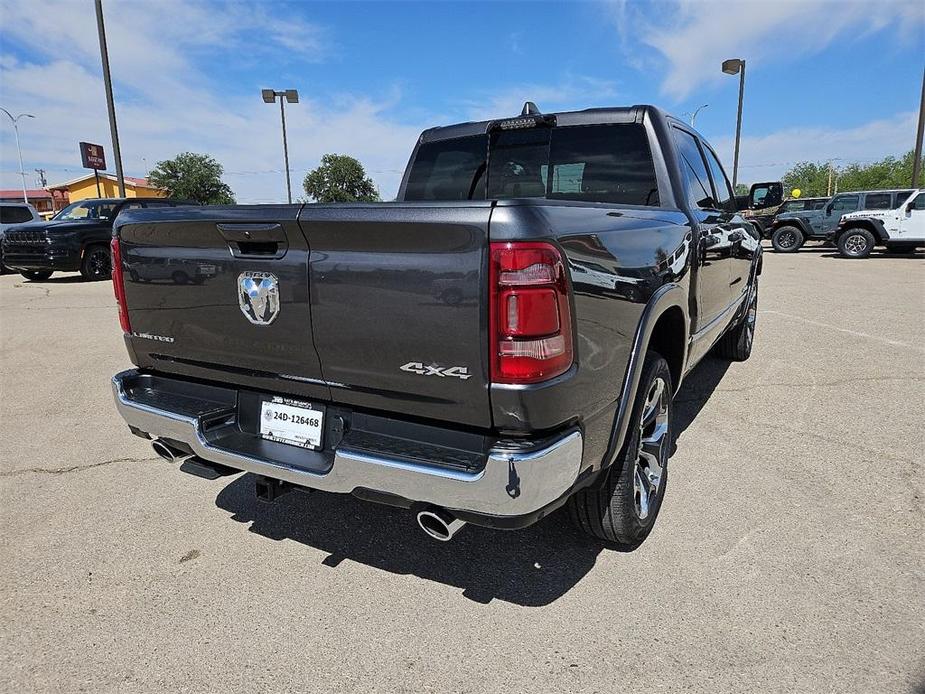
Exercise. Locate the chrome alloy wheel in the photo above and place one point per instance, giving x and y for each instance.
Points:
(751, 318)
(855, 244)
(653, 443)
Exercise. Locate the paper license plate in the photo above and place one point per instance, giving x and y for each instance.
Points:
(295, 425)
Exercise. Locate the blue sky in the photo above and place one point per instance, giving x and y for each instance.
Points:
(826, 80)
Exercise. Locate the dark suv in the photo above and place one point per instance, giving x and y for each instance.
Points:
(791, 229)
(77, 238)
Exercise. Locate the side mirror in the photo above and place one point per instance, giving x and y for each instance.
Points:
(766, 194)
(828, 209)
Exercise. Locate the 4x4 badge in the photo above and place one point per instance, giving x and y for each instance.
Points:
(416, 367)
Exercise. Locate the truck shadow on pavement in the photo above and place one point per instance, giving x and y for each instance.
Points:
(532, 567)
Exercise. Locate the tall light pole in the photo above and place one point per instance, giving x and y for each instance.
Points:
(736, 66)
(22, 173)
(107, 81)
(292, 96)
(694, 114)
(917, 161)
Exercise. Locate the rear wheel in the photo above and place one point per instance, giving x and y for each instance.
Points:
(736, 344)
(787, 239)
(97, 264)
(36, 275)
(856, 243)
(621, 507)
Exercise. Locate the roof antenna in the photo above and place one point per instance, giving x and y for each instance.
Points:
(530, 109)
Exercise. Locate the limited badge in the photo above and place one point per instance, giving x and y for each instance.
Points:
(258, 296)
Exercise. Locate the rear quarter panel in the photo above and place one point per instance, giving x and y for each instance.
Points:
(617, 258)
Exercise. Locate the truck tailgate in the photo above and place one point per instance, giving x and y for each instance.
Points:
(220, 289)
(399, 306)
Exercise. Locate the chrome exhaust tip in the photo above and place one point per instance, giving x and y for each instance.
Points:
(440, 524)
(168, 452)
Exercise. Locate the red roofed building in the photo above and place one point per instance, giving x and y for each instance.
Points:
(45, 201)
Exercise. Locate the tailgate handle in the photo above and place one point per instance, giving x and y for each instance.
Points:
(255, 240)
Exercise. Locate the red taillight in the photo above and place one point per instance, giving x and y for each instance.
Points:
(118, 284)
(531, 321)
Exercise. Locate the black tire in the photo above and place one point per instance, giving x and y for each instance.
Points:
(622, 505)
(787, 239)
(736, 344)
(36, 275)
(856, 243)
(97, 264)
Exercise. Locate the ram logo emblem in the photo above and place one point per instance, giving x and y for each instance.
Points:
(416, 367)
(258, 296)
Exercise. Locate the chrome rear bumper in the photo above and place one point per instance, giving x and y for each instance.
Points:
(512, 482)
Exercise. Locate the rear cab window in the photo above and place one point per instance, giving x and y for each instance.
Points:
(592, 163)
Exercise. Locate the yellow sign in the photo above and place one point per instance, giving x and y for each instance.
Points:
(796, 192)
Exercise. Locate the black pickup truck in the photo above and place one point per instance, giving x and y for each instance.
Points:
(505, 338)
(77, 238)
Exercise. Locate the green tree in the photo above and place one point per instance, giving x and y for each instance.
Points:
(741, 189)
(813, 177)
(340, 178)
(192, 176)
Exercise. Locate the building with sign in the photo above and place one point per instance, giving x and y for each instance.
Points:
(85, 187)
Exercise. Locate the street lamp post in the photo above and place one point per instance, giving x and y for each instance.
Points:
(292, 96)
(694, 114)
(732, 67)
(22, 173)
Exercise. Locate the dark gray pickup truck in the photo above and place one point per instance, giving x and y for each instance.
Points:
(503, 339)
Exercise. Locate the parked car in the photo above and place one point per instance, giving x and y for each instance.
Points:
(764, 217)
(901, 229)
(604, 256)
(77, 238)
(791, 230)
(12, 214)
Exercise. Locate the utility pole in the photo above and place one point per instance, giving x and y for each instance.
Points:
(828, 190)
(107, 80)
(917, 160)
(42, 179)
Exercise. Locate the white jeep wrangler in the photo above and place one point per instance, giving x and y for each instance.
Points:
(901, 230)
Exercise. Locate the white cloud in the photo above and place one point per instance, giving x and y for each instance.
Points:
(694, 36)
(572, 92)
(767, 157)
(166, 104)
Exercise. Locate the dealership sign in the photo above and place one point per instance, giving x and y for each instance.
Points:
(92, 156)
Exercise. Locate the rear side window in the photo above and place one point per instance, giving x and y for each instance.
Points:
(845, 203)
(699, 192)
(902, 196)
(449, 170)
(793, 206)
(724, 197)
(13, 214)
(878, 201)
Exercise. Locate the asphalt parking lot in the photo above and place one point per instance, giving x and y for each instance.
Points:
(789, 555)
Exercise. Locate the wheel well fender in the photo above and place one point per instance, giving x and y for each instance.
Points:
(874, 226)
(664, 327)
(798, 223)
